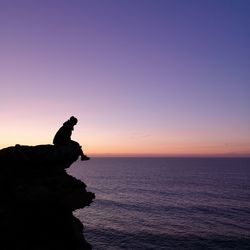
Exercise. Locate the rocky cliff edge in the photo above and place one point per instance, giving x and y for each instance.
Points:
(38, 198)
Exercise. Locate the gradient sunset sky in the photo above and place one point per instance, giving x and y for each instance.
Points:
(143, 77)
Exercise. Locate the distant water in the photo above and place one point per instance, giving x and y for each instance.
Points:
(166, 203)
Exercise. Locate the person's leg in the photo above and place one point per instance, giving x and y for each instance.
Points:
(83, 156)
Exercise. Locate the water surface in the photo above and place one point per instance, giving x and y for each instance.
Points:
(166, 203)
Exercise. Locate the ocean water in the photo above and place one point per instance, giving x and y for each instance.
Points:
(166, 203)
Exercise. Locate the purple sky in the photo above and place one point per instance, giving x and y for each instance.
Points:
(156, 77)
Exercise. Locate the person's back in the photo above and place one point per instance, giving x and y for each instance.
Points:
(63, 135)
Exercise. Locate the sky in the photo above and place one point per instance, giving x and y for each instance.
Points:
(143, 77)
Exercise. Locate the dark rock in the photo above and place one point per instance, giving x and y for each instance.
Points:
(38, 198)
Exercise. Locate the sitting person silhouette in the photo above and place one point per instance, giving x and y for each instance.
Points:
(63, 136)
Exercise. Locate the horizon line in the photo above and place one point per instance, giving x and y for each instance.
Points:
(170, 156)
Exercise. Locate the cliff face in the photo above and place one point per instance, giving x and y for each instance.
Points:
(38, 198)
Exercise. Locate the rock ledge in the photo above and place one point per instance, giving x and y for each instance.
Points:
(38, 198)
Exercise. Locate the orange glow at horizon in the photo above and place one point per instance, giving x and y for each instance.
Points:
(174, 150)
(95, 148)
(116, 141)
(99, 140)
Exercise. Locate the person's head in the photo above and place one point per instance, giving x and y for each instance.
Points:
(73, 120)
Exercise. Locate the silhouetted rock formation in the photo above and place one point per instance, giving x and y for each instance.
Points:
(38, 198)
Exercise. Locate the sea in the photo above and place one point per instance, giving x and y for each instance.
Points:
(166, 203)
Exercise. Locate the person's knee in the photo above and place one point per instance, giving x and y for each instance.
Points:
(75, 143)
